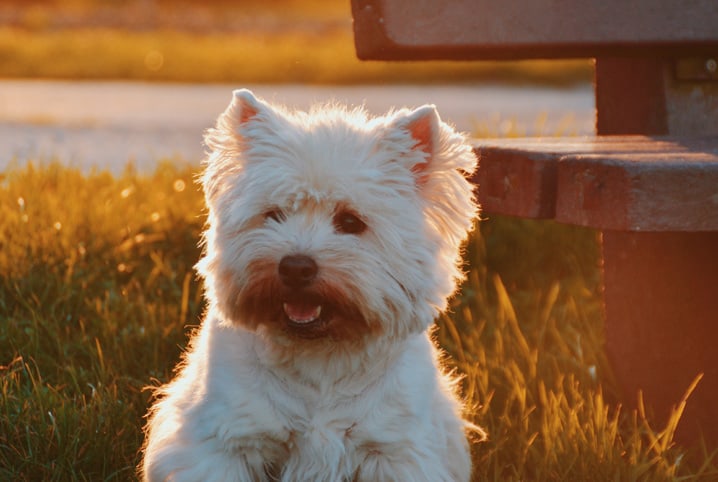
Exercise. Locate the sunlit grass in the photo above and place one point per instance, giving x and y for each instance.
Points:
(496, 125)
(97, 296)
(254, 41)
(325, 56)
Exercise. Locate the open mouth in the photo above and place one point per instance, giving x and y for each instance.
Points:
(302, 313)
(304, 317)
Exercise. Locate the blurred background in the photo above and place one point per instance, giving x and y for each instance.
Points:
(144, 78)
(250, 41)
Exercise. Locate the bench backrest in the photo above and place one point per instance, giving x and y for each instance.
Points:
(656, 60)
(522, 29)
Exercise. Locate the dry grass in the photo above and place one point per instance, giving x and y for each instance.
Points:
(282, 42)
(97, 295)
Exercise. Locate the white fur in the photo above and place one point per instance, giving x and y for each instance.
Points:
(364, 398)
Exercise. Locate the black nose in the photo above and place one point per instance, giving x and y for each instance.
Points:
(297, 271)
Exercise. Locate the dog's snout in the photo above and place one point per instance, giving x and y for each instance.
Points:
(297, 270)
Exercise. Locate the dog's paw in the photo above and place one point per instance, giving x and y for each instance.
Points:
(407, 464)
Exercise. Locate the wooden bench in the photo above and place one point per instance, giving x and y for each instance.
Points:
(648, 181)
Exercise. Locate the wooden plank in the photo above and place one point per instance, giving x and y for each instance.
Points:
(516, 182)
(488, 29)
(631, 183)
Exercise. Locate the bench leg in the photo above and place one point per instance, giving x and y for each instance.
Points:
(661, 299)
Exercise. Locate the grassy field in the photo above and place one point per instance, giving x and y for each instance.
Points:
(285, 41)
(98, 294)
(97, 297)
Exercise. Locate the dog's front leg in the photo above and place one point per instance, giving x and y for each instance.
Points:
(207, 462)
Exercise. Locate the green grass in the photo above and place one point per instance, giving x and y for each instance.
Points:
(97, 296)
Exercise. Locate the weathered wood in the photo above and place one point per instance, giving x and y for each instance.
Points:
(488, 29)
(630, 183)
(657, 96)
(661, 302)
(630, 97)
(515, 182)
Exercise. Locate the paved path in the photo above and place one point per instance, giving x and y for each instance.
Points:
(105, 124)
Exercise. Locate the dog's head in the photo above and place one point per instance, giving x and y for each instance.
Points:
(331, 225)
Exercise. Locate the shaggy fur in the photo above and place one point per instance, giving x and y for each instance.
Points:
(332, 244)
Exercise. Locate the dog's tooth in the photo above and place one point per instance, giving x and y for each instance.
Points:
(300, 314)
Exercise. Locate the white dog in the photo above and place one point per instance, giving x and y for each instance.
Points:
(332, 244)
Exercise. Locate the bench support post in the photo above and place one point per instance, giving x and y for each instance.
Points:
(661, 302)
(660, 288)
(630, 97)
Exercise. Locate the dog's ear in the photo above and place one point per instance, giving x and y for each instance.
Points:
(245, 107)
(423, 124)
(232, 125)
(245, 116)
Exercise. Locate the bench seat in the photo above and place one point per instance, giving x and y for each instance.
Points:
(626, 183)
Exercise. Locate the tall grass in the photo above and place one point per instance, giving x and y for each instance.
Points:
(97, 296)
(96, 291)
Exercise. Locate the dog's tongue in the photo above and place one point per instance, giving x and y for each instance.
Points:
(302, 312)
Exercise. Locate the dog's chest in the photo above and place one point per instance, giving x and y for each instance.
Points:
(330, 432)
(331, 448)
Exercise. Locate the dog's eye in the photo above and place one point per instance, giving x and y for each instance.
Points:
(348, 223)
(275, 215)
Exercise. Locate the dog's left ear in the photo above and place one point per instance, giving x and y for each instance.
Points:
(423, 125)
